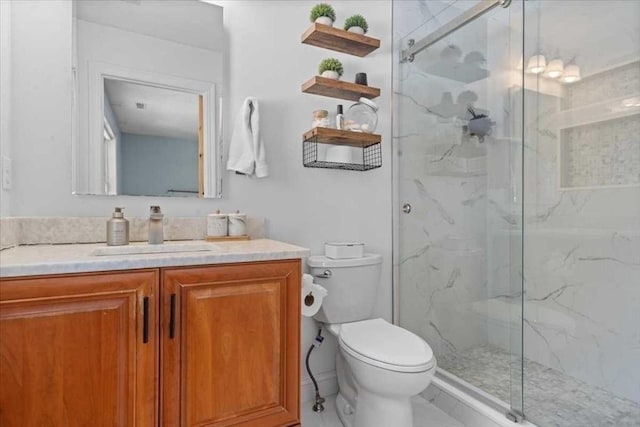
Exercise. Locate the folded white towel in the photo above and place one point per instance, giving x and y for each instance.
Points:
(246, 150)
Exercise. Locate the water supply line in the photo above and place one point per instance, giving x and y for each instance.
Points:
(319, 400)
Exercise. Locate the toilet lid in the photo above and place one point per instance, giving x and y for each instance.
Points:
(382, 344)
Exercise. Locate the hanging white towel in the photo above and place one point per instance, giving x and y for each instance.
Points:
(246, 151)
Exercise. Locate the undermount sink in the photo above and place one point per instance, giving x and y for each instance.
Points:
(145, 248)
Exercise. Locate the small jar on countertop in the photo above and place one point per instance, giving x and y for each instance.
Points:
(217, 224)
(237, 224)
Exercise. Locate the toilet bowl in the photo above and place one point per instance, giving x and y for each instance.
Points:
(379, 366)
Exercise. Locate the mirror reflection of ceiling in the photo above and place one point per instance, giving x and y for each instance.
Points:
(182, 21)
(153, 111)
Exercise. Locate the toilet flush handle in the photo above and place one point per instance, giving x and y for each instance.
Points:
(325, 274)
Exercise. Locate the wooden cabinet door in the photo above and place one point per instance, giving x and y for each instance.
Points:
(231, 351)
(72, 350)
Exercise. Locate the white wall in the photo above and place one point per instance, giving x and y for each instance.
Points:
(5, 97)
(302, 206)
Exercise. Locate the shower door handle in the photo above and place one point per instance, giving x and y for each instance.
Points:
(406, 208)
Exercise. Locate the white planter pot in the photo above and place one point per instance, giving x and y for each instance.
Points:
(357, 30)
(324, 20)
(330, 75)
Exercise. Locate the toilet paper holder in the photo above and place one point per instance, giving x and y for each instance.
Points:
(324, 275)
(309, 299)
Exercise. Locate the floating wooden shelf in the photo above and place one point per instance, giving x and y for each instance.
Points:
(341, 137)
(339, 40)
(338, 89)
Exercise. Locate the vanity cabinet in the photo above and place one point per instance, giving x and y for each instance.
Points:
(79, 350)
(215, 345)
(230, 345)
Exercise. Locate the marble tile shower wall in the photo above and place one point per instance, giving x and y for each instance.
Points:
(581, 255)
(603, 153)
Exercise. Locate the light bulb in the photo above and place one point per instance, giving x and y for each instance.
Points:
(536, 64)
(631, 102)
(571, 74)
(554, 69)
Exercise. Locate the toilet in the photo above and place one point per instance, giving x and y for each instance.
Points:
(380, 366)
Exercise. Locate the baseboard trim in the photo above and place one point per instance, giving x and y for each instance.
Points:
(327, 384)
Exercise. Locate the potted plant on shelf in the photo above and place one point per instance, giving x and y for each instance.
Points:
(323, 13)
(356, 24)
(330, 68)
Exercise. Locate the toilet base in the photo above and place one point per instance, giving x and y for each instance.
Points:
(345, 412)
(347, 416)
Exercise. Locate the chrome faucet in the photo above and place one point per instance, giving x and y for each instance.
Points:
(156, 234)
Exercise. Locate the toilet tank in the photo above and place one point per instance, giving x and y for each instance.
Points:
(352, 285)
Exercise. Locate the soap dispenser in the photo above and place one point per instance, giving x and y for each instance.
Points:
(117, 229)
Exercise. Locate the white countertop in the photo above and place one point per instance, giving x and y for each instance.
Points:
(31, 260)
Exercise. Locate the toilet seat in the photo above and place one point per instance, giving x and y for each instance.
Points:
(379, 343)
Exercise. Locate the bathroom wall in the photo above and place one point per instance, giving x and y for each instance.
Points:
(155, 164)
(266, 60)
(5, 98)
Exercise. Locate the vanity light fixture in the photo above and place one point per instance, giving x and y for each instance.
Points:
(571, 74)
(631, 102)
(536, 64)
(554, 69)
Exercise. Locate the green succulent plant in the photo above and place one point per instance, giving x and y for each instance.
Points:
(322, 9)
(356, 21)
(331, 64)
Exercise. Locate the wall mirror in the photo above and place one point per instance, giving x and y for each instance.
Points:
(147, 81)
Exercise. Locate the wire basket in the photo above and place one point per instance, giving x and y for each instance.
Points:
(367, 155)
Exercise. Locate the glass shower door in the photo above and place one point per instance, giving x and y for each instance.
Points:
(582, 234)
(458, 169)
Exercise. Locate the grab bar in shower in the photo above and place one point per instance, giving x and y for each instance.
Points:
(474, 12)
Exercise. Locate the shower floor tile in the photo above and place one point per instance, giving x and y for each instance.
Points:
(551, 398)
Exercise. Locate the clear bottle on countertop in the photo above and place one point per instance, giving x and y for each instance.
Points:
(117, 229)
(156, 226)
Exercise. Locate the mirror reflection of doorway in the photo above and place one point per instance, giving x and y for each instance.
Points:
(158, 134)
(110, 157)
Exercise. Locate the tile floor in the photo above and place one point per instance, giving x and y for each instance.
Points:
(552, 399)
(424, 413)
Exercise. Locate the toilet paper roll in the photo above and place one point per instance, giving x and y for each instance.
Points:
(312, 296)
(339, 154)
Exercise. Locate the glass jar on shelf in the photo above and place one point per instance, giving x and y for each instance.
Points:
(362, 116)
(320, 119)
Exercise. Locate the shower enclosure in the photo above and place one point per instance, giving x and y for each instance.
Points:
(517, 183)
